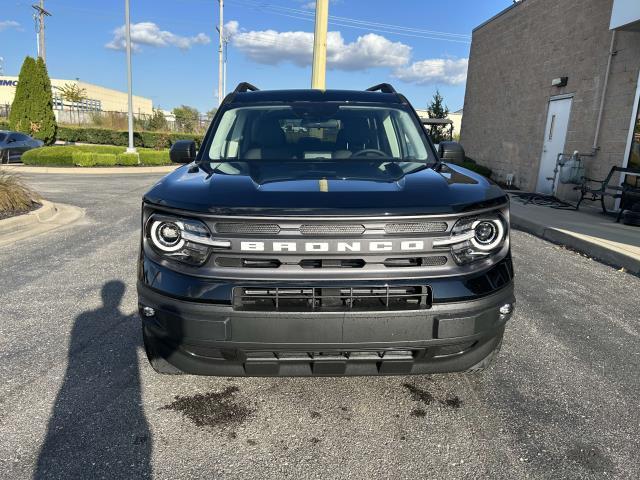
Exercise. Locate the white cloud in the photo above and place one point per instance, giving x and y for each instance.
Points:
(435, 70)
(149, 34)
(371, 50)
(7, 24)
(272, 47)
(312, 5)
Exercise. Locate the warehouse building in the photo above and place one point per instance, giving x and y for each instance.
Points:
(548, 77)
(97, 98)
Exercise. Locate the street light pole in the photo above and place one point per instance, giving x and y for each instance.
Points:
(319, 69)
(127, 21)
(221, 54)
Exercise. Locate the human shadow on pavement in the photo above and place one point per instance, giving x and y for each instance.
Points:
(97, 427)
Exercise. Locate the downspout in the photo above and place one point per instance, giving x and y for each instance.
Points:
(612, 52)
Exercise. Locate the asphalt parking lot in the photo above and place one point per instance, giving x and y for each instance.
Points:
(78, 399)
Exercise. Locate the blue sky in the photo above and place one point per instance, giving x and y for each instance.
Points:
(418, 45)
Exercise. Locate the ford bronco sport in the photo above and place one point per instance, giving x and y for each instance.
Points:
(319, 233)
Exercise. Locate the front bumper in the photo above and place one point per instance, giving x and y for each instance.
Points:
(214, 339)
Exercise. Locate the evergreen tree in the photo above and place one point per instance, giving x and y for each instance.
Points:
(32, 108)
(437, 109)
(19, 116)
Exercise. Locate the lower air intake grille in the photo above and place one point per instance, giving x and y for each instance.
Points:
(432, 261)
(310, 299)
(418, 227)
(329, 230)
(248, 228)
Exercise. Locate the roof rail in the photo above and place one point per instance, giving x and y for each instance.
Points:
(382, 87)
(245, 87)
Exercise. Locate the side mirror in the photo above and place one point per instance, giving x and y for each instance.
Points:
(183, 151)
(451, 152)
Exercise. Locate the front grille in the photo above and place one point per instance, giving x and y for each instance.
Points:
(321, 230)
(248, 228)
(417, 227)
(330, 263)
(432, 261)
(318, 299)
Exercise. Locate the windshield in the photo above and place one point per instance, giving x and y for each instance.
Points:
(2, 137)
(311, 132)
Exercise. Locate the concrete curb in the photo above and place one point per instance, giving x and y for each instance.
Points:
(577, 242)
(48, 217)
(89, 170)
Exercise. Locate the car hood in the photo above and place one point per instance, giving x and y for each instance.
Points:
(443, 190)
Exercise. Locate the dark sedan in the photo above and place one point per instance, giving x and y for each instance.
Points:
(14, 144)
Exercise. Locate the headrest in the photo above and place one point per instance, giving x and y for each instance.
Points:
(268, 134)
(354, 133)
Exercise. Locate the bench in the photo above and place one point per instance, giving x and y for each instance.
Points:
(628, 194)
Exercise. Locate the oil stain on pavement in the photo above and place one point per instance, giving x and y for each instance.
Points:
(420, 395)
(213, 409)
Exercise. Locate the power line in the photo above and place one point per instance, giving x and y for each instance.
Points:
(356, 23)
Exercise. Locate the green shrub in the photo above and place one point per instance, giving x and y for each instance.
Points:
(98, 148)
(127, 159)
(154, 157)
(474, 167)
(105, 159)
(4, 124)
(64, 155)
(105, 136)
(93, 155)
(84, 159)
(56, 156)
(92, 159)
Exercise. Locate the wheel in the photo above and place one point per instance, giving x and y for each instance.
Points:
(157, 361)
(487, 362)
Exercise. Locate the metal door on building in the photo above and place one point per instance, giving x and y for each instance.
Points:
(555, 134)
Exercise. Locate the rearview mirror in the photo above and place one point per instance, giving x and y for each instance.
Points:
(451, 152)
(183, 151)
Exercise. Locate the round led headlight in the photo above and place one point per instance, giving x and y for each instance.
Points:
(488, 234)
(167, 236)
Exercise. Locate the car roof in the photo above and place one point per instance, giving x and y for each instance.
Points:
(309, 95)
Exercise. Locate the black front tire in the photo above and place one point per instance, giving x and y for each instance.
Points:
(156, 360)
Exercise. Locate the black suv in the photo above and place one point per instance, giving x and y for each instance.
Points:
(319, 233)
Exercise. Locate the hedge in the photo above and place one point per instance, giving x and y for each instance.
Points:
(83, 159)
(127, 159)
(105, 136)
(154, 157)
(4, 125)
(93, 155)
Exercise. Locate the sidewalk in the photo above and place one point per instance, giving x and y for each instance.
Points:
(587, 231)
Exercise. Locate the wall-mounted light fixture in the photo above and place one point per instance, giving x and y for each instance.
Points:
(560, 82)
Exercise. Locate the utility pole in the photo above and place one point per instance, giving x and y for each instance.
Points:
(225, 54)
(38, 16)
(224, 69)
(127, 21)
(319, 68)
(221, 54)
